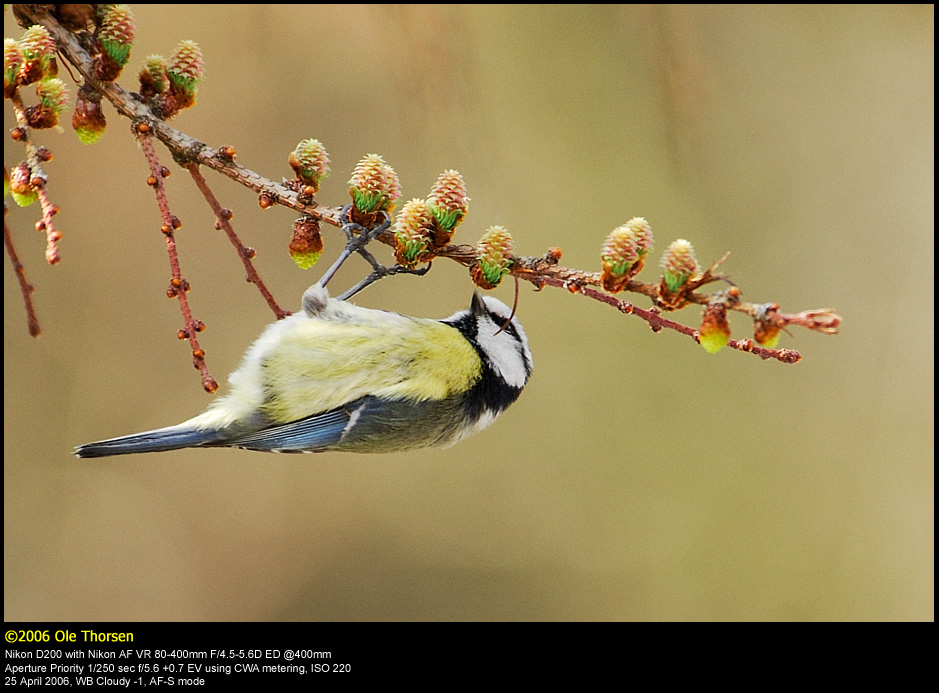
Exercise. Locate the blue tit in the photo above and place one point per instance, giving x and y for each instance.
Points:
(335, 376)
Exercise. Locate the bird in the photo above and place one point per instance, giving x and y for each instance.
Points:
(335, 376)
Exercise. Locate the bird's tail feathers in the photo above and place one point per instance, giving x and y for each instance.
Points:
(159, 440)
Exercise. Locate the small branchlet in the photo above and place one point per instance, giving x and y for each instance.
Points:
(179, 287)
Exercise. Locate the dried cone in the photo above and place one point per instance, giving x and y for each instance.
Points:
(413, 230)
(310, 162)
(306, 245)
(448, 203)
(374, 186)
(493, 258)
(715, 330)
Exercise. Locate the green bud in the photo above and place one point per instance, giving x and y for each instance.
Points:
(374, 185)
(413, 230)
(310, 162)
(494, 257)
(448, 203)
(678, 264)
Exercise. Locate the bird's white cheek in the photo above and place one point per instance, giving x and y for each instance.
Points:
(504, 356)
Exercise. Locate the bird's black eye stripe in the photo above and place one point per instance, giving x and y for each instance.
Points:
(500, 320)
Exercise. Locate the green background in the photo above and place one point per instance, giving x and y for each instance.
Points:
(638, 477)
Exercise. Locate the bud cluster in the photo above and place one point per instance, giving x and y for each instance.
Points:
(424, 226)
(31, 60)
(21, 189)
(170, 85)
(310, 163)
(38, 57)
(623, 253)
(116, 31)
(767, 326)
(52, 101)
(414, 232)
(678, 265)
(448, 203)
(374, 186)
(494, 258)
(88, 120)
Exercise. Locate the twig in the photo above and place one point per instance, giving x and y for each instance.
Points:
(657, 322)
(179, 287)
(246, 254)
(32, 322)
(38, 179)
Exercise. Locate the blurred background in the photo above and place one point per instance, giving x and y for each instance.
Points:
(638, 477)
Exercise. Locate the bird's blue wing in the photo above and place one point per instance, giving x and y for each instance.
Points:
(312, 434)
(369, 424)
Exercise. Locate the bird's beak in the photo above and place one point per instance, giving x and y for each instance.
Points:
(478, 306)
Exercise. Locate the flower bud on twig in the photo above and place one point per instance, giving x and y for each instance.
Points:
(413, 230)
(623, 253)
(448, 203)
(306, 245)
(310, 162)
(493, 258)
(374, 185)
(715, 330)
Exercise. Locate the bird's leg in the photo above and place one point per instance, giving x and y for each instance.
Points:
(354, 242)
(380, 272)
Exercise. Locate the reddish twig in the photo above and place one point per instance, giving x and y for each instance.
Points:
(657, 322)
(179, 287)
(246, 254)
(32, 322)
(38, 179)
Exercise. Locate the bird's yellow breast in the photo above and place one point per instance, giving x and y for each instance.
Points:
(319, 365)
